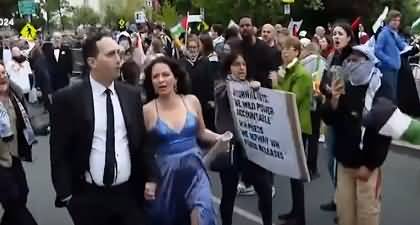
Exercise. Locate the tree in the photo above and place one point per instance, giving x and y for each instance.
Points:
(8, 7)
(84, 15)
(167, 14)
(125, 9)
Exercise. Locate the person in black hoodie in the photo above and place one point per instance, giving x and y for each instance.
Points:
(202, 66)
(343, 42)
(360, 152)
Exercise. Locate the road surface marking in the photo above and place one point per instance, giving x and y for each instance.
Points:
(242, 212)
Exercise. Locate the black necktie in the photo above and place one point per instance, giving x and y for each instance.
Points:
(110, 161)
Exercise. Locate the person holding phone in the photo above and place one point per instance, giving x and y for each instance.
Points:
(359, 151)
(343, 40)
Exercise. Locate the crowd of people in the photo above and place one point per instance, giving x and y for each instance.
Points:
(127, 140)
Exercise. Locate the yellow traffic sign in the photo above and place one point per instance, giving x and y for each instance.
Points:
(288, 1)
(122, 24)
(29, 32)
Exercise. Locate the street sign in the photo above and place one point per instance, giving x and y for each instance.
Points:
(26, 7)
(287, 9)
(289, 1)
(140, 16)
(149, 3)
(29, 32)
(122, 24)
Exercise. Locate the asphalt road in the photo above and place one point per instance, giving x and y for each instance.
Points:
(401, 197)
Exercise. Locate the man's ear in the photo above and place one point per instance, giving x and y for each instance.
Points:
(91, 62)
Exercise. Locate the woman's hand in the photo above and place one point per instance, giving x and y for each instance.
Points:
(255, 85)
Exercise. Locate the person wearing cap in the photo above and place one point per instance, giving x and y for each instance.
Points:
(360, 152)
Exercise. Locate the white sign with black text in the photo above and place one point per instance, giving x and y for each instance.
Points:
(140, 16)
(268, 126)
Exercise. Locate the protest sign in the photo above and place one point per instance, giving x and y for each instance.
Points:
(267, 124)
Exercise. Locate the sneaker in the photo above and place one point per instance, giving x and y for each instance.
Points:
(245, 191)
(273, 191)
(331, 207)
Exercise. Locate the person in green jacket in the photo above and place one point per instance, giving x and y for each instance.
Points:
(293, 77)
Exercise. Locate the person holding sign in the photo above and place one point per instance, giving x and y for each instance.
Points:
(175, 124)
(235, 70)
(293, 77)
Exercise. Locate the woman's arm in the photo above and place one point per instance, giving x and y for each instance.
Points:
(204, 135)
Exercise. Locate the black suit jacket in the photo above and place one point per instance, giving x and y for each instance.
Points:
(72, 127)
(61, 70)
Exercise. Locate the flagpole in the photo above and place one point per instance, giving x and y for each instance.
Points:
(186, 30)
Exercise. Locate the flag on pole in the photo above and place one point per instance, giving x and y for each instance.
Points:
(203, 26)
(180, 28)
(294, 27)
(232, 23)
(380, 20)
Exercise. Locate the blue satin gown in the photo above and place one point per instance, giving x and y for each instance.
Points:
(185, 183)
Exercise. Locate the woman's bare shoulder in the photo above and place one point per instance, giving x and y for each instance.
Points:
(149, 114)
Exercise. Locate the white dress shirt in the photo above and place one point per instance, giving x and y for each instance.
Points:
(56, 54)
(97, 155)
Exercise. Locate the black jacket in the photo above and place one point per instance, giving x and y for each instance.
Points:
(202, 73)
(61, 70)
(260, 60)
(72, 128)
(346, 122)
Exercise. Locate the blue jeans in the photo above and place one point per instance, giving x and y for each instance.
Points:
(390, 79)
(332, 163)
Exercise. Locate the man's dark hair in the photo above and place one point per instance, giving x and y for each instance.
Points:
(231, 32)
(89, 47)
(392, 15)
(207, 43)
(158, 27)
(218, 28)
(247, 17)
(228, 61)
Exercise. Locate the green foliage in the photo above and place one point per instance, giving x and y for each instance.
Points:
(115, 10)
(84, 15)
(167, 14)
(266, 11)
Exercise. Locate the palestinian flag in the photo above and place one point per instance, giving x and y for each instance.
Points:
(180, 28)
(389, 121)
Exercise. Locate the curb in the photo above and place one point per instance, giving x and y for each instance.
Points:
(405, 145)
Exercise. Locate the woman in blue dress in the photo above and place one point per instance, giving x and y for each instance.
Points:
(175, 124)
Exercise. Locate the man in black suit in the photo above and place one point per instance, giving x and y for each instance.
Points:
(60, 62)
(100, 169)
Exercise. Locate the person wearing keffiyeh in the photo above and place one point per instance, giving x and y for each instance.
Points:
(16, 140)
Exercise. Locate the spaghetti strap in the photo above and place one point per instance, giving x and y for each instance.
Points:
(185, 104)
(156, 107)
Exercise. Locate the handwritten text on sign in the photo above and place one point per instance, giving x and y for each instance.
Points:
(255, 106)
(267, 125)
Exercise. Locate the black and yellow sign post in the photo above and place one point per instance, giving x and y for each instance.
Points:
(29, 32)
